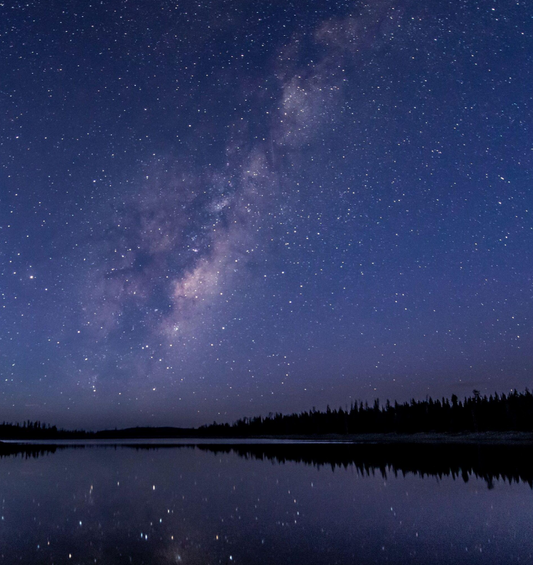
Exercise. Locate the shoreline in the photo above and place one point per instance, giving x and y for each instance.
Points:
(471, 438)
(484, 438)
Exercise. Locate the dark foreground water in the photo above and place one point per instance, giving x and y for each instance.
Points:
(266, 504)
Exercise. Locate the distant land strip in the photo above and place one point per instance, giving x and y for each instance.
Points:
(498, 418)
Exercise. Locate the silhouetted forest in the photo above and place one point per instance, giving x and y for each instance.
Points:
(498, 412)
(38, 430)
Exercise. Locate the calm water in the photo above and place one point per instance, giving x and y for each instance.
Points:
(266, 504)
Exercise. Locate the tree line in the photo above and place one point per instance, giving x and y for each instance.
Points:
(476, 413)
(38, 430)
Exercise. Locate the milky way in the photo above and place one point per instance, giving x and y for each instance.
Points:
(212, 210)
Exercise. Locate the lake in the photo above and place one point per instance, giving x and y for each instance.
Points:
(266, 504)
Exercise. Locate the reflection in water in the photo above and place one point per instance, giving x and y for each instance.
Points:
(487, 462)
(511, 463)
(236, 504)
(25, 451)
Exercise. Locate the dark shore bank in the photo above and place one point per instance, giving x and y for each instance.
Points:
(473, 438)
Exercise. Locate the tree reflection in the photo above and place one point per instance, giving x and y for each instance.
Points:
(512, 463)
(490, 463)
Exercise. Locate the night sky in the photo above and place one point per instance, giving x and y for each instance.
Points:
(219, 209)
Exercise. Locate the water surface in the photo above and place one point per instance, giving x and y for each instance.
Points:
(266, 504)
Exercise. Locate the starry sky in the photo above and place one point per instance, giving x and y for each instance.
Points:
(219, 209)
